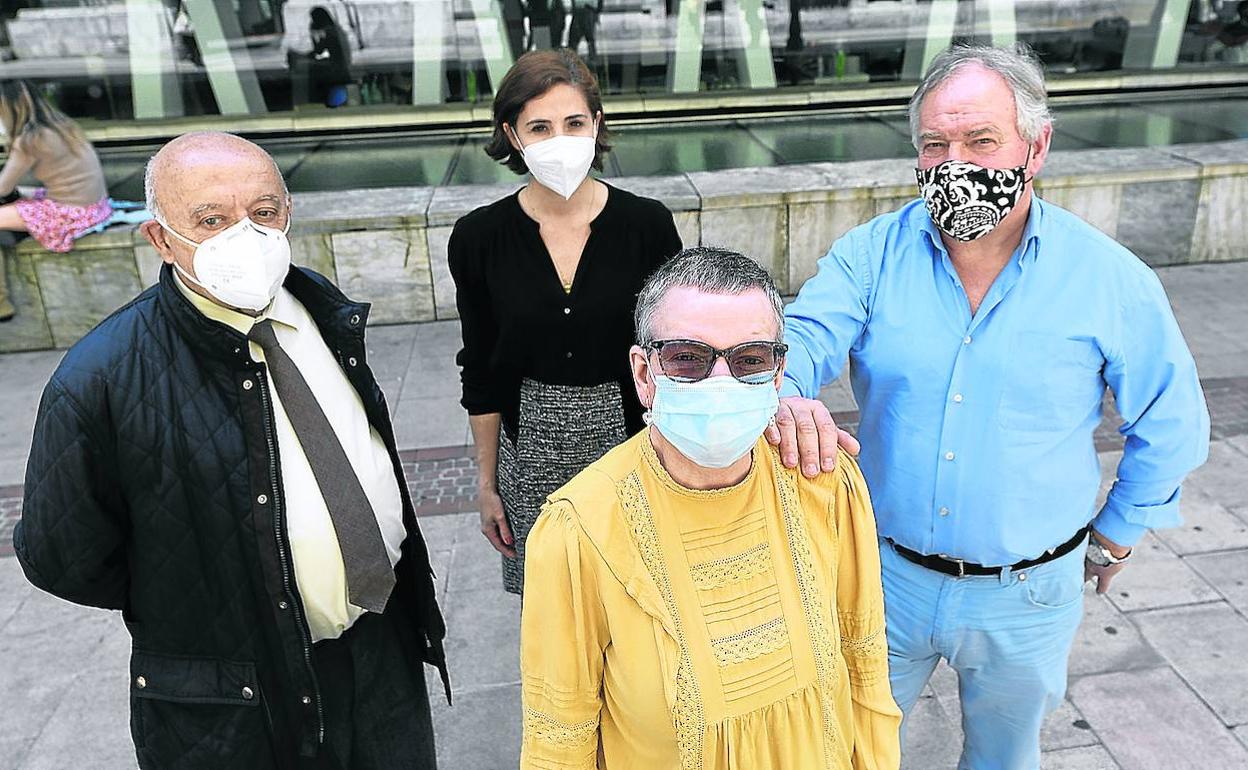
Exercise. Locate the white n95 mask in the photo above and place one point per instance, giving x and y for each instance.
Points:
(562, 162)
(243, 266)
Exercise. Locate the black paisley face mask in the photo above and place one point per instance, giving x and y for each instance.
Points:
(967, 201)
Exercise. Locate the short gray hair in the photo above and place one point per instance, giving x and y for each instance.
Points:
(1018, 64)
(710, 269)
(149, 189)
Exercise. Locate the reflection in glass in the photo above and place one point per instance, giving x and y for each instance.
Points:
(128, 59)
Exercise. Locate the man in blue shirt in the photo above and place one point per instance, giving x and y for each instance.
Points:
(983, 326)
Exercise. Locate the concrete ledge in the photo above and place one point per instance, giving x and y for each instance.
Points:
(1170, 205)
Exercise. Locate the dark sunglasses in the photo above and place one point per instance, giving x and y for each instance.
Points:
(690, 361)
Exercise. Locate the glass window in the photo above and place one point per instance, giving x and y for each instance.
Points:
(160, 59)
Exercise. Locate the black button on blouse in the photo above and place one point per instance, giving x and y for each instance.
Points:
(518, 321)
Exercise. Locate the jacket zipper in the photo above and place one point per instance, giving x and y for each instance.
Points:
(305, 636)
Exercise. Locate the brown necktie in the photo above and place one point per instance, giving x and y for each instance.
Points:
(370, 577)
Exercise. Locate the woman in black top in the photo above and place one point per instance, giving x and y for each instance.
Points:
(546, 282)
(331, 58)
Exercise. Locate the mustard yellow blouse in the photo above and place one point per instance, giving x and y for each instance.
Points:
(740, 628)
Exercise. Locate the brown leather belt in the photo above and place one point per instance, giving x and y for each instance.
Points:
(960, 568)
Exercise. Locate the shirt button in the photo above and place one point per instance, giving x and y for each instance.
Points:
(246, 384)
(1022, 576)
(306, 700)
(282, 605)
(966, 340)
(957, 398)
(567, 310)
(944, 511)
(262, 499)
(948, 455)
(248, 693)
(140, 682)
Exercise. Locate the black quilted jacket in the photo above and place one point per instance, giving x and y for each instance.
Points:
(153, 488)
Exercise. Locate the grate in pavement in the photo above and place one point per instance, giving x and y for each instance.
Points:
(444, 479)
(10, 510)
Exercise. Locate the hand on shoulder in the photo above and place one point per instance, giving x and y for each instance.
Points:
(805, 431)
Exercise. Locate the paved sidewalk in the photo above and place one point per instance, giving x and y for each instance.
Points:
(1158, 678)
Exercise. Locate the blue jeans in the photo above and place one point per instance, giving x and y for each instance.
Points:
(1007, 637)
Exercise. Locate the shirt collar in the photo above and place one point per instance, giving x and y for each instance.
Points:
(1031, 231)
(281, 310)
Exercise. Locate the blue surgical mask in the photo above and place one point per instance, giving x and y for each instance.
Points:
(714, 422)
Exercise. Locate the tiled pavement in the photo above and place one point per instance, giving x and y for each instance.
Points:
(1158, 678)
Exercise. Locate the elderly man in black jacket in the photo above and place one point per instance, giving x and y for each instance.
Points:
(216, 460)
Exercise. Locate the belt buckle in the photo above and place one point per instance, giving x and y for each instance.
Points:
(961, 564)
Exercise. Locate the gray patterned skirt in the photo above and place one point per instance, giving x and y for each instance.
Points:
(560, 430)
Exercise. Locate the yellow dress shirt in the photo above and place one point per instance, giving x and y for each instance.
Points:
(319, 571)
(732, 629)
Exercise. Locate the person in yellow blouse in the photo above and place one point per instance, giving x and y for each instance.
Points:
(692, 603)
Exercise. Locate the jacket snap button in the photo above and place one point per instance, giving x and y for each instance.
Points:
(306, 700)
(246, 384)
(140, 682)
(351, 361)
(262, 499)
(248, 693)
(282, 605)
(1022, 576)
(355, 320)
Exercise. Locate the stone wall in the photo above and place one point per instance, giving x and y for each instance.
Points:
(1170, 205)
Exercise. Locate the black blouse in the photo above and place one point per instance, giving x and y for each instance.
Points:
(517, 320)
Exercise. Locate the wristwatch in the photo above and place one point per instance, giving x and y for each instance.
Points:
(1101, 557)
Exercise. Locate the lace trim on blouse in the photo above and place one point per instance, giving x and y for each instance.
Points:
(751, 643)
(732, 569)
(543, 727)
(688, 715)
(821, 637)
(866, 655)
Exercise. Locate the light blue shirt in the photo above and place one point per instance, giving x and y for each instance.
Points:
(977, 430)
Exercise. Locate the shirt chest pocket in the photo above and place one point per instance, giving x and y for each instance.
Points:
(1050, 383)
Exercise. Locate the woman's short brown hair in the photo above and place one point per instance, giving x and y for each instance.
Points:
(533, 74)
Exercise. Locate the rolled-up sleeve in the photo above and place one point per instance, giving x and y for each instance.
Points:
(1164, 417)
(479, 383)
(826, 319)
(563, 636)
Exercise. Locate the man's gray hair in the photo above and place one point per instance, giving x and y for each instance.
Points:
(149, 189)
(710, 269)
(1018, 64)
